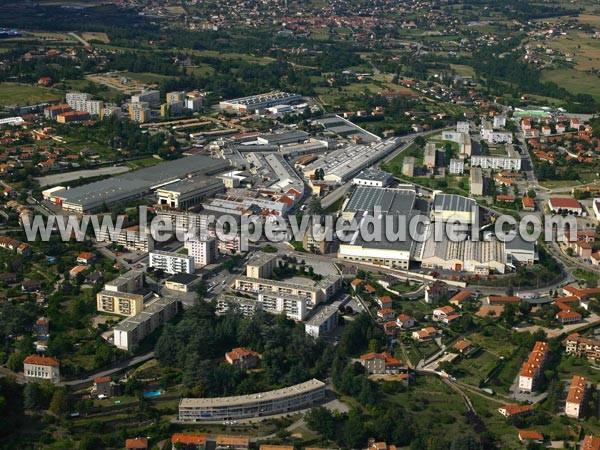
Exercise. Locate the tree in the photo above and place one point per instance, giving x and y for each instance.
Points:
(15, 362)
(420, 141)
(465, 442)
(33, 396)
(322, 421)
(60, 402)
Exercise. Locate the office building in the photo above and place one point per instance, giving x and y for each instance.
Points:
(131, 331)
(280, 401)
(171, 262)
(202, 248)
(41, 368)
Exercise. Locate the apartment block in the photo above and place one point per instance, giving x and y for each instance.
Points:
(171, 262)
(121, 303)
(202, 248)
(131, 281)
(131, 331)
(531, 369)
(261, 265)
(576, 397)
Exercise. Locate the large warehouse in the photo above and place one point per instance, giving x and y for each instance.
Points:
(259, 102)
(280, 401)
(95, 196)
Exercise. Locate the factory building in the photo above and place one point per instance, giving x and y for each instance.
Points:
(258, 102)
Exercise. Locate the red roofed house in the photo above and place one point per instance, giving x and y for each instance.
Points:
(513, 409)
(242, 358)
(424, 334)
(405, 321)
(443, 312)
(528, 436)
(382, 363)
(85, 258)
(460, 298)
(136, 444)
(188, 441)
(564, 205)
(463, 346)
(528, 204)
(386, 314)
(590, 442)
(384, 302)
(102, 386)
(41, 368)
(567, 317)
(370, 289)
(355, 283)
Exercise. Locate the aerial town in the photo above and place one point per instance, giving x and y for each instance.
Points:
(241, 225)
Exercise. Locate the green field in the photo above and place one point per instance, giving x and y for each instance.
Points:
(23, 94)
(574, 81)
(145, 162)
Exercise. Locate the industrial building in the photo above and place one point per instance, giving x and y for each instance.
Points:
(341, 165)
(131, 331)
(373, 177)
(346, 129)
(258, 102)
(189, 192)
(280, 401)
(135, 184)
(453, 207)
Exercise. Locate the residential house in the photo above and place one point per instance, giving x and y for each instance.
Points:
(463, 347)
(31, 285)
(188, 441)
(384, 302)
(385, 315)
(590, 442)
(382, 364)
(424, 334)
(136, 444)
(405, 321)
(85, 258)
(232, 443)
(461, 297)
(102, 386)
(356, 283)
(530, 436)
(442, 313)
(435, 292)
(582, 347)
(513, 410)
(242, 358)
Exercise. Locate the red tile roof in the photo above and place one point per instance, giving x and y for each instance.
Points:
(136, 443)
(185, 438)
(41, 360)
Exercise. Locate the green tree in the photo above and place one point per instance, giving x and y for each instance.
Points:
(15, 362)
(60, 402)
(33, 396)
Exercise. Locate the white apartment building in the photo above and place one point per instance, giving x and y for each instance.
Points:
(457, 166)
(576, 397)
(171, 262)
(323, 321)
(41, 368)
(131, 331)
(510, 161)
(492, 136)
(202, 248)
(150, 97)
(294, 306)
(81, 101)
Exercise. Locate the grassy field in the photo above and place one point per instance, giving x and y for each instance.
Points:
(95, 36)
(472, 370)
(462, 70)
(574, 81)
(584, 50)
(145, 162)
(23, 94)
